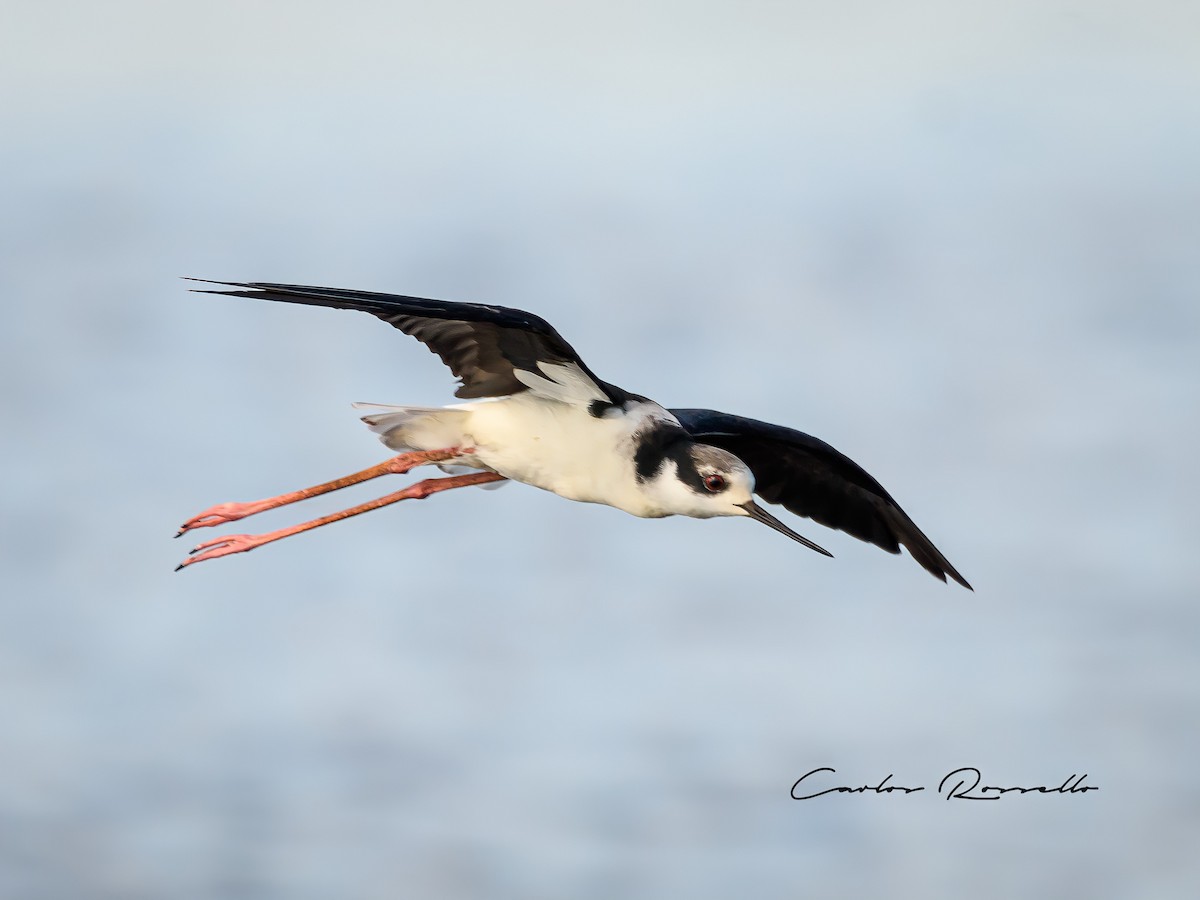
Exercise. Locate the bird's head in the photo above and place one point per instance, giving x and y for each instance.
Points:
(703, 481)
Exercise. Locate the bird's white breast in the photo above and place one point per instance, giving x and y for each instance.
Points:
(562, 448)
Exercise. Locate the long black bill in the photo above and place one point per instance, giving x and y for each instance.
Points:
(758, 514)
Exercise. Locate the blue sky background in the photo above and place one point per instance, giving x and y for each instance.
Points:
(956, 241)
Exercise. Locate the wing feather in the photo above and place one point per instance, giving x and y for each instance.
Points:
(810, 478)
(482, 345)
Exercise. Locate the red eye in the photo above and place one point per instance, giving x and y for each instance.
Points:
(715, 483)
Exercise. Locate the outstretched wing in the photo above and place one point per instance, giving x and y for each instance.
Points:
(493, 350)
(812, 479)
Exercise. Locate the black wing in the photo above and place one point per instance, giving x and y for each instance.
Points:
(812, 479)
(482, 345)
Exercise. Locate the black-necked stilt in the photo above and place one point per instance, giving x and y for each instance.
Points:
(538, 415)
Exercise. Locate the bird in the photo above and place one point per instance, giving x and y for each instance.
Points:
(535, 413)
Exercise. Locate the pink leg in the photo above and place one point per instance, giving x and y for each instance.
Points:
(397, 465)
(240, 543)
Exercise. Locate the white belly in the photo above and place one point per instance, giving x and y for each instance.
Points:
(561, 448)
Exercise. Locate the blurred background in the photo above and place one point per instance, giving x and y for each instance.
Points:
(957, 241)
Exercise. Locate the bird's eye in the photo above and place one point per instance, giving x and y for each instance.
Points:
(714, 483)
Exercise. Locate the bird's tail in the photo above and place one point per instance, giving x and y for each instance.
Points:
(406, 428)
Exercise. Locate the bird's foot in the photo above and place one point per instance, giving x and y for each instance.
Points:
(222, 546)
(222, 513)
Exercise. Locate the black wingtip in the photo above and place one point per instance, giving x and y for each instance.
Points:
(225, 284)
(939, 568)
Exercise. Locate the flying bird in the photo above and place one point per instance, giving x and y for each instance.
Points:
(535, 413)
